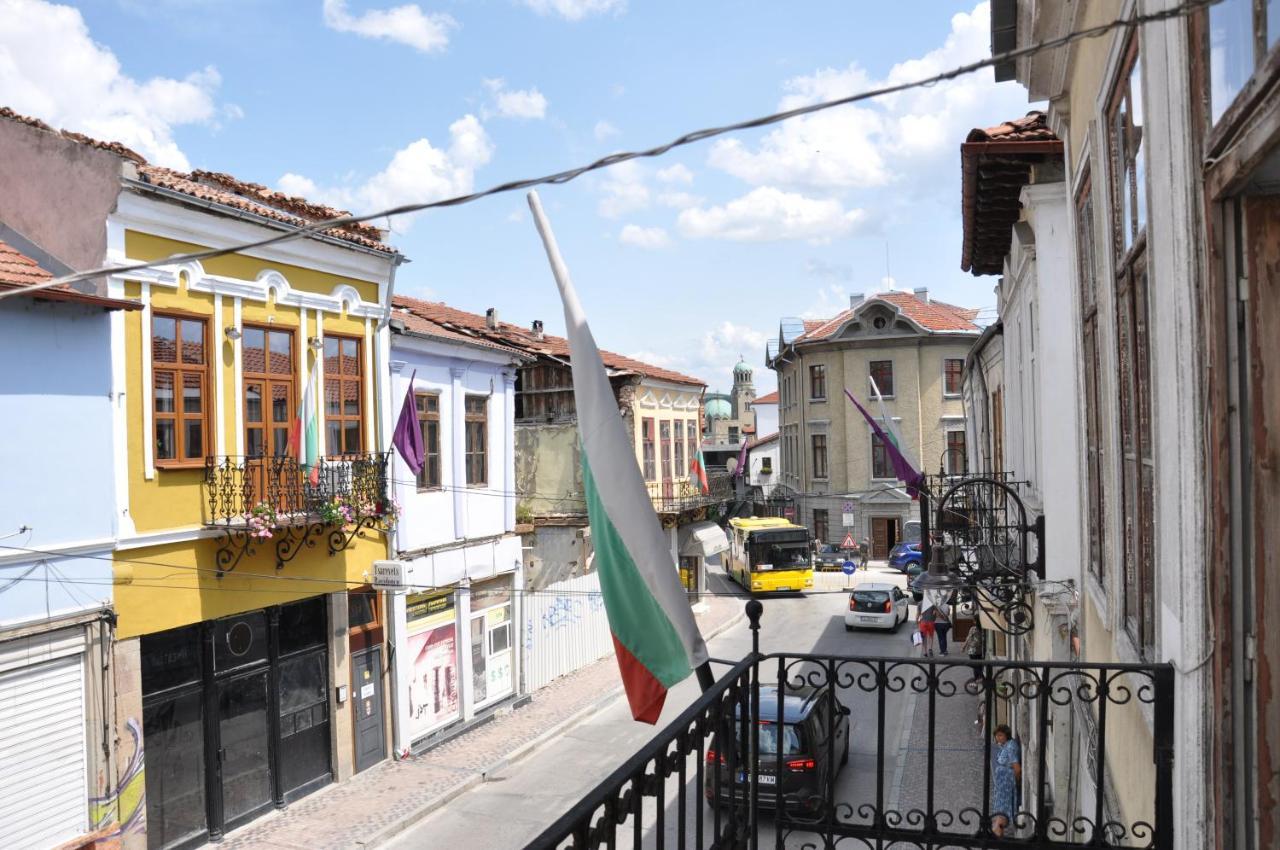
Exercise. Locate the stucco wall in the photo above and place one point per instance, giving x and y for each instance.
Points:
(58, 193)
(56, 450)
(548, 475)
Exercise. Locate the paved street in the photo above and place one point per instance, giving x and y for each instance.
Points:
(518, 802)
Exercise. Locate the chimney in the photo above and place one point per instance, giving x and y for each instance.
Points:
(855, 299)
(922, 292)
(491, 318)
(537, 329)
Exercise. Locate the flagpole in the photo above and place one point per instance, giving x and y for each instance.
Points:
(706, 679)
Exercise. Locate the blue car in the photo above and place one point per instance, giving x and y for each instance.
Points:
(905, 555)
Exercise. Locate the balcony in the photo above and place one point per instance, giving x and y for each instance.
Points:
(679, 495)
(923, 770)
(252, 500)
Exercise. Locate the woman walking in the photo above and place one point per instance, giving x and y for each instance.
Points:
(925, 622)
(1006, 774)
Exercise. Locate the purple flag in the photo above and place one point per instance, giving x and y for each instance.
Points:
(742, 459)
(408, 434)
(902, 467)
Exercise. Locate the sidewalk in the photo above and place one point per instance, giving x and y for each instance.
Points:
(373, 806)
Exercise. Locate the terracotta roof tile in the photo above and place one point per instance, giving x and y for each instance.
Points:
(995, 164)
(36, 123)
(511, 336)
(933, 316)
(767, 398)
(255, 198)
(17, 269)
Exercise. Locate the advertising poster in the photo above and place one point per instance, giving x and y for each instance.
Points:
(433, 653)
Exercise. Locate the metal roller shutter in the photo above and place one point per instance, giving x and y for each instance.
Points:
(43, 799)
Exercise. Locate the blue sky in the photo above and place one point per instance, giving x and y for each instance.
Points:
(686, 261)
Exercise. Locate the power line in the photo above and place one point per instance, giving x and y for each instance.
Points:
(559, 177)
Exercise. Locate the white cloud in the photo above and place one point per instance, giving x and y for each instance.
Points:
(575, 10)
(51, 68)
(767, 214)
(823, 268)
(417, 172)
(650, 238)
(624, 190)
(679, 200)
(712, 355)
(677, 173)
(905, 137)
(603, 130)
(509, 103)
(407, 24)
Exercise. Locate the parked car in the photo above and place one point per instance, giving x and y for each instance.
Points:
(806, 758)
(905, 554)
(875, 605)
(828, 557)
(917, 592)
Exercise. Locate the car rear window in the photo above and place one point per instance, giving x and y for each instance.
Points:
(870, 597)
(769, 739)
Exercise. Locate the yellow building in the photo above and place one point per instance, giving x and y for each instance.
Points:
(241, 555)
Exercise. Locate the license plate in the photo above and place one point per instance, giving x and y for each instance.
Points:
(784, 587)
(764, 779)
(867, 619)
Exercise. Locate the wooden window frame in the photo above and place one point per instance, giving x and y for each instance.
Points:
(358, 379)
(946, 377)
(821, 524)
(694, 437)
(951, 450)
(371, 633)
(290, 377)
(424, 417)
(664, 441)
(469, 455)
(648, 449)
(818, 382)
(818, 447)
(178, 416)
(878, 448)
(1094, 427)
(677, 444)
(1135, 451)
(871, 372)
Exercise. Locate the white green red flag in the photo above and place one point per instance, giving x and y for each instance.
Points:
(304, 435)
(698, 471)
(654, 633)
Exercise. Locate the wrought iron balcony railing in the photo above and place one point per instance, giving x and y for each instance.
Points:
(257, 498)
(924, 770)
(681, 494)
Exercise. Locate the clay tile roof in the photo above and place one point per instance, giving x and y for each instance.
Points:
(933, 316)
(996, 163)
(255, 198)
(17, 269)
(767, 398)
(113, 147)
(514, 337)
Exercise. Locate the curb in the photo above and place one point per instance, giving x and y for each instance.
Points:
(422, 812)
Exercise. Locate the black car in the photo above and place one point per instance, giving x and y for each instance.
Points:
(828, 557)
(806, 756)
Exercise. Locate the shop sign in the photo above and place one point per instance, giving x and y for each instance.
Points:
(389, 575)
(432, 642)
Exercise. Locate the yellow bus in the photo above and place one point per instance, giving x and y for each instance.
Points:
(768, 554)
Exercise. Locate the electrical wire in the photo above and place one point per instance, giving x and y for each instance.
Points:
(1177, 11)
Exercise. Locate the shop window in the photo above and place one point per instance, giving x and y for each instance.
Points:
(343, 421)
(179, 374)
(172, 659)
(490, 633)
(432, 640)
(173, 729)
(302, 625)
(239, 641)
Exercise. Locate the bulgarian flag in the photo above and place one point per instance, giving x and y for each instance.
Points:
(698, 471)
(654, 634)
(304, 437)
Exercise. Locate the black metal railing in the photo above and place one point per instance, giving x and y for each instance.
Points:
(258, 498)
(923, 768)
(682, 494)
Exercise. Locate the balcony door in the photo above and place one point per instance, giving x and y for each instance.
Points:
(268, 368)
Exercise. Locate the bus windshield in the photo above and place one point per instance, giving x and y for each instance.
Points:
(779, 556)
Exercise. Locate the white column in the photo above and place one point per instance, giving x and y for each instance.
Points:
(370, 411)
(509, 456)
(466, 691)
(238, 376)
(397, 623)
(148, 434)
(219, 380)
(457, 419)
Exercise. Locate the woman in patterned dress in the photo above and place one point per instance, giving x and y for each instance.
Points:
(1006, 773)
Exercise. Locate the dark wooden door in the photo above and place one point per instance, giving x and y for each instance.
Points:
(366, 688)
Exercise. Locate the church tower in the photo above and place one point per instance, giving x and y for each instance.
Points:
(744, 392)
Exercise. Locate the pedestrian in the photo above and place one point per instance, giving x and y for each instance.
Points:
(942, 625)
(1006, 775)
(925, 623)
(864, 553)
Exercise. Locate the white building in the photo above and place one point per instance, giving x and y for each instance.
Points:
(59, 446)
(455, 630)
(762, 465)
(766, 410)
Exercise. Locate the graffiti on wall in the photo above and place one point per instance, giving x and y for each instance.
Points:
(125, 805)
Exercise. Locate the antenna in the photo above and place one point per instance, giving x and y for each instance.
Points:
(888, 275)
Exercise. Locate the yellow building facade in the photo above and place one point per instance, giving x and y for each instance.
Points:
(241, 577)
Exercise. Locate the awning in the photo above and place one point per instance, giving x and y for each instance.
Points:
(703, 539)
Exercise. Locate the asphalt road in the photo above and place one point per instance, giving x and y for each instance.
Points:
(516, 804)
